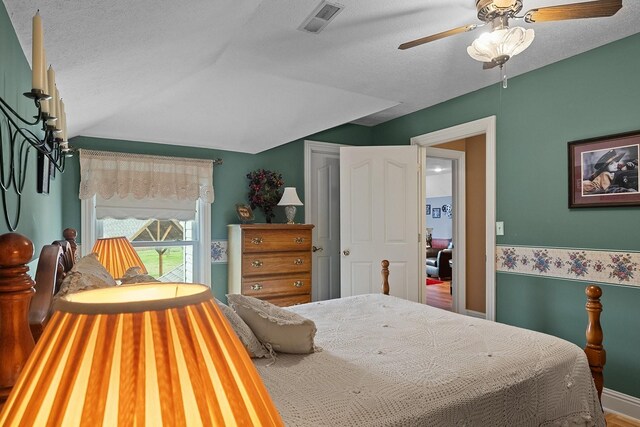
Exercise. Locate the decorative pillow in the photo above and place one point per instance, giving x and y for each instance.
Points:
(282, 330)
(88, 273)
(134, 275)
(243, 331)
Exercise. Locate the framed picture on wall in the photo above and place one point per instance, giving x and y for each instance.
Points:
(428, 209)
(603, 171)
(435, 212)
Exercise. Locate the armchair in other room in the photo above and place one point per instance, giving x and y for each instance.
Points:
(438, 257)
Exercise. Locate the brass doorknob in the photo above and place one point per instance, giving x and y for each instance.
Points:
(346, 252)
(316, 249)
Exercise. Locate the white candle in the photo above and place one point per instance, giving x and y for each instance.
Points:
(45, 87)
(51, 86)
(56, 99)
(63, 124)
(37, 54)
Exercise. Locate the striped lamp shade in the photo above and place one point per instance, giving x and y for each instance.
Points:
(145, 355)
(117, 255)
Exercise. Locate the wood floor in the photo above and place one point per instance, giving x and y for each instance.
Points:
(439, 296)
(615, 420)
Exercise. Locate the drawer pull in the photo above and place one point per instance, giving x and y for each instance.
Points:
(298, 284)
(299, 240)
(298, 261)
(256, 240)
(257, 263)
(256, 287)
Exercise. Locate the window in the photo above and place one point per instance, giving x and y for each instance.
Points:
(172, 250)
(161, 204)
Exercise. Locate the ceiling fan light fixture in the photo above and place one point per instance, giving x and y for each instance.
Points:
(501, 44)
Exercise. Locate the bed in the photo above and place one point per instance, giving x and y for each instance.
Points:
(384, 361)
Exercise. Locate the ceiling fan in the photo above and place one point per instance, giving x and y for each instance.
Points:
(496, 47)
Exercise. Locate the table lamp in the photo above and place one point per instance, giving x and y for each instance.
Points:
(145, 355)
(117, 255)
(290, 200)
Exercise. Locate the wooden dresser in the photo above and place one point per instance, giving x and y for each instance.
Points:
(271, 262)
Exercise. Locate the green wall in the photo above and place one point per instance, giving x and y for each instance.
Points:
(40, 218)
(593, 94)
(230, 182)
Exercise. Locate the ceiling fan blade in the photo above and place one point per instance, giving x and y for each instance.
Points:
(590, 9)
(438, 36)
(489, 65)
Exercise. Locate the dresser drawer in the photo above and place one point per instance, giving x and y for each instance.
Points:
(291, 300)
(276, 240)
(257, 264)
(262, 287)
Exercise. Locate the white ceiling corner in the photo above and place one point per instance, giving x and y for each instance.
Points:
(238, 75)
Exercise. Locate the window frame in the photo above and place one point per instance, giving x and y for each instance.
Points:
(201, 248)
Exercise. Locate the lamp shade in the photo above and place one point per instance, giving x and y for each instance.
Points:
(501, 44)
(290, 197)
(117, 255)
(146, 355)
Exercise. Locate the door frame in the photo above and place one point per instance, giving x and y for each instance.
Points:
(458, 279)
(486, 126)
(311, 148)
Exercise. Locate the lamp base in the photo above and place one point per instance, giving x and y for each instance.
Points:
(290, 212)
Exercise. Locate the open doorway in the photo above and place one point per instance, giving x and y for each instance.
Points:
(439, 210)
(477, 140)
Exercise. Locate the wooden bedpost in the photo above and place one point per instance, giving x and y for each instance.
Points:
(385, 276)
(596, 355)
(16, 290)
(70, 235)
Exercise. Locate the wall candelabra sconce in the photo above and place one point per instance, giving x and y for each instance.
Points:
(18, 137)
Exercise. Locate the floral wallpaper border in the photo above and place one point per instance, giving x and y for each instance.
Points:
(219, 251)
(615, 267)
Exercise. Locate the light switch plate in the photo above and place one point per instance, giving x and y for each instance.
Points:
(499, 228)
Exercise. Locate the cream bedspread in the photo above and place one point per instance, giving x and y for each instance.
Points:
(390, 362)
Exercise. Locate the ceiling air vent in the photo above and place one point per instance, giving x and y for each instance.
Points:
(320, 17)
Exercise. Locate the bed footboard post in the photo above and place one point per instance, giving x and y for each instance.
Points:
(596, 355)
(16, 290)
(385, 276)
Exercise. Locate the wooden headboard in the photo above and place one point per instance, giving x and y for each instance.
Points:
(25, 305)
(55, 261)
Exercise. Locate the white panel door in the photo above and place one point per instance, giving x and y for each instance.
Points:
(379, 219)
(325, 214)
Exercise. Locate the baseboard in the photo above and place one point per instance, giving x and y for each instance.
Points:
(614, 401)
(475, 314)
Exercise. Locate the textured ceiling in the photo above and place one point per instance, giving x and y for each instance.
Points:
(238, 75)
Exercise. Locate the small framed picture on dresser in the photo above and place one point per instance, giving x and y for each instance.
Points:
(245, 214)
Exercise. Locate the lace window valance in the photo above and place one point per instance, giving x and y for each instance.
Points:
(109, 174)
